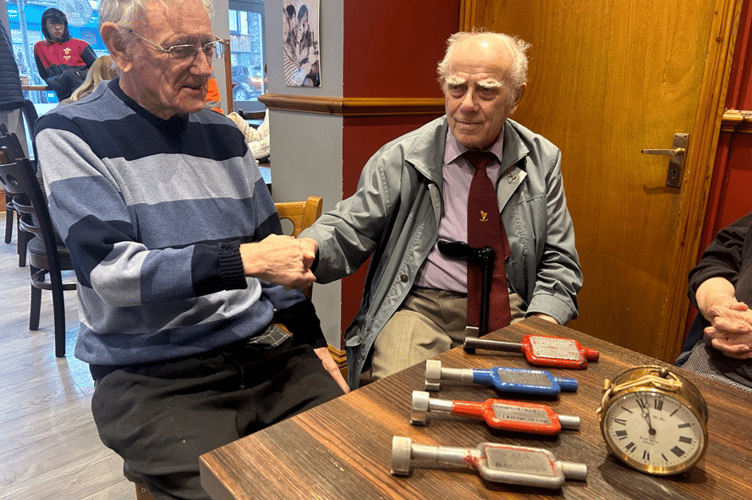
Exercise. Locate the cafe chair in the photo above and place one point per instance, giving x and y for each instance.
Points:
(11, 141)
(47, 256)
(142, 492)
(302, 215)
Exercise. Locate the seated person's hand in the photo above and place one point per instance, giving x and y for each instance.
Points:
(730, 316)
(731, 329)
(311, 246)
(282, 260)
(332, 368)
(734, 345)
(546, 317)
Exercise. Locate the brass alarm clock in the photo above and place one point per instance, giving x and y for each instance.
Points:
(654, 420)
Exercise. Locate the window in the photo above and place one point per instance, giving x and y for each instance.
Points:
(25, 20)
(248, 53)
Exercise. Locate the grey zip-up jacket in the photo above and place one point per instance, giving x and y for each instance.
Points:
(394, 215)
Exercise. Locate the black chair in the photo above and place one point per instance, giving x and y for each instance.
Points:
(29, 113)
(47, 258)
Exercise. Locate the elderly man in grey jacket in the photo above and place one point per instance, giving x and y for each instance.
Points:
(413, 192)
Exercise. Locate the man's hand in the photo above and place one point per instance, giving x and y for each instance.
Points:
(733, 345)
(331, 367)
(546, 317)
(282, 260)
(730, 327)
(310, 245)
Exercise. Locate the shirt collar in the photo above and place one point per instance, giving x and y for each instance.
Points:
(454, 149)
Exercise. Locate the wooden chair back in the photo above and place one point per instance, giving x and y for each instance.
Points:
(302, 214)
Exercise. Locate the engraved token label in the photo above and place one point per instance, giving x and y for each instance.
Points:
(547, 347)
(524, 378)
(521, 414)
(519, 460)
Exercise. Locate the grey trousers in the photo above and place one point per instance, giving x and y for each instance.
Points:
(699, 362)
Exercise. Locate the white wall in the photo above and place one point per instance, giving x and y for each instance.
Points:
(221, 28)
(306, 149)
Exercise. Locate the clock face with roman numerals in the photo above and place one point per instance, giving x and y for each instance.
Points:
(653, 432)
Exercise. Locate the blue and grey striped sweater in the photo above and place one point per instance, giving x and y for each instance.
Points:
(152, 212)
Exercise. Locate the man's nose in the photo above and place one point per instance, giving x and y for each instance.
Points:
(202, 63)
(468, 100)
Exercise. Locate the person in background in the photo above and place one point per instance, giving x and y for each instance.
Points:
(213, 97)
(183, 274)
(62, 61)
(415, 190)
(720, 286)
(257, 138)
(103, 69)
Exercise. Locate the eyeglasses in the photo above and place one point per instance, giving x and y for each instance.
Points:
(213, 50)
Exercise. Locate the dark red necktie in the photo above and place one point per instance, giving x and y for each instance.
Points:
(484, 228)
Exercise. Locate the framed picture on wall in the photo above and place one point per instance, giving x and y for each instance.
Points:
(300, 42)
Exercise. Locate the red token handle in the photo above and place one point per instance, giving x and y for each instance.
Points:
(545, 420)
(578, 356)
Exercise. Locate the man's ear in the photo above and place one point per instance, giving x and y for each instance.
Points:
(112, 37)
(520, 93)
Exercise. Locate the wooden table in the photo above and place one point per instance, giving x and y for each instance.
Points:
(342, 449)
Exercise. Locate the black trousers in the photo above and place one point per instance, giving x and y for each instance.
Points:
(161, 418)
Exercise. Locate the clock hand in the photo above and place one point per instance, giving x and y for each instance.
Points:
(646, 415)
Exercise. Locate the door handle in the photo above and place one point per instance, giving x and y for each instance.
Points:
(676, 155)
(670, 152)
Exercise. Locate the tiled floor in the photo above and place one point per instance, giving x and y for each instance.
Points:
(49, 447)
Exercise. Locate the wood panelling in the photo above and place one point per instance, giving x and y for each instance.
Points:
(355, 106)
(737, 121)
(603, 95)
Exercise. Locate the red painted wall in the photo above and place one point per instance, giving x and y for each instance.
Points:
(391, 49)
(361, 137)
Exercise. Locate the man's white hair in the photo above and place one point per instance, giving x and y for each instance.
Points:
(125, 12)
(517, 76)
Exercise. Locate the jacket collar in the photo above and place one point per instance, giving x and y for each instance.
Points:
(515, 148)
(426, 154)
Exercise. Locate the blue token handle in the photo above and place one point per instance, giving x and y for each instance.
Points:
(566, 384)
(491, 377)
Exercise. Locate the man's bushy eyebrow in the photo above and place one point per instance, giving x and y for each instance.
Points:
(487, 84)
(455, 80)
(490, 84)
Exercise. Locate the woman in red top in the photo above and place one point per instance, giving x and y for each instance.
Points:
(62, 61)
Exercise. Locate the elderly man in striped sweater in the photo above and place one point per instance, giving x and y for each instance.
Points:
(179, 261)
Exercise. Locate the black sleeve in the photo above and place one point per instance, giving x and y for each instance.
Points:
(89, 56)
(303, 323)
(722, 258)
(40, 67)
